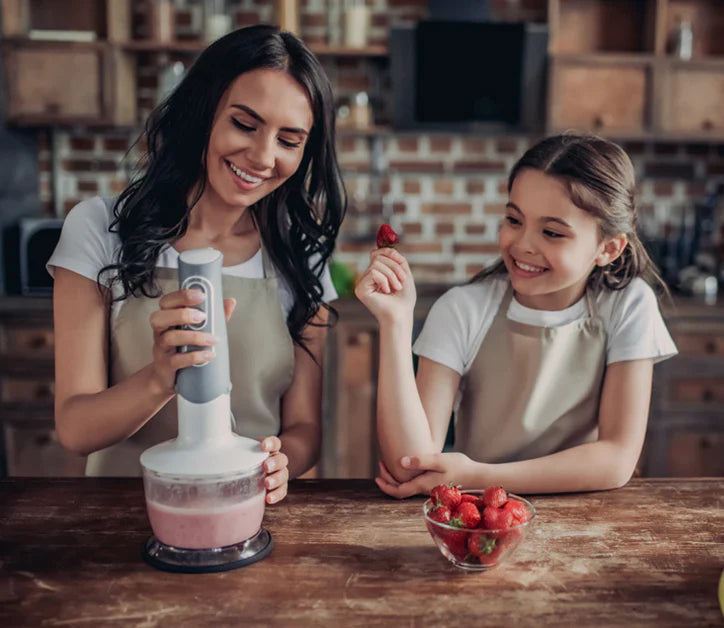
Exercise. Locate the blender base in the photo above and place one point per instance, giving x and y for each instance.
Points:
(179, 560)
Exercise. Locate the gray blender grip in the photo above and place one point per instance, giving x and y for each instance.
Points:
(200, 269)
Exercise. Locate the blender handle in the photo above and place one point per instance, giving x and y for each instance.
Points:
(200, 269)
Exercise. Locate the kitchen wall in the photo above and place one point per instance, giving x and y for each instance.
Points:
(444, 192)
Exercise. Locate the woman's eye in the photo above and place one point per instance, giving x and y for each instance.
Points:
(553, 234)
(242, 126)
(289, 144)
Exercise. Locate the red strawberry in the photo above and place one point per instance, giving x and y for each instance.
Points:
(517, 510)
(480, 545)
(468, 497)
(457, 542)
(467, 514)
(441, 514)
(494, 496)
(496, 518)
(386, 236)
(447, 495)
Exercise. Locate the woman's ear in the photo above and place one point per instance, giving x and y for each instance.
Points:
(612, 249)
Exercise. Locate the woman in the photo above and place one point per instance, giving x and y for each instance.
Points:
(240, 158)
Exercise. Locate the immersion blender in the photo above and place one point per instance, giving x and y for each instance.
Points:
(204, 489)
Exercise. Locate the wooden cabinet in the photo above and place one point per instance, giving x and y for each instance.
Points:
(30, 446)
(68, 82)
(614, 70)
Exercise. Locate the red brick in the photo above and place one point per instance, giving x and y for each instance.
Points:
(347, 144)
(663, 188)
(88, 186)
(115, 143)
(432, 269)
(117, 185)
(444, 186)
(355, 247)
(45, 164)
(247, 18)
(444, 228)
(150, 82)
(503, 187)
(697, 188)
(479, 166)
(421, 247)
(385, 186)
(182, 18)
(353, 83)
(476, 228)
(411, 228)
(313, 19)
(446, 208)
(411, 187)
(440, 144)
(417, 166)
(473, 269)
(475, 187)
(70, 203)
(483, 248)
(82, 143)
(380, 20)
(494, 208)
(506, 145)
(408, 144)
(473, 145)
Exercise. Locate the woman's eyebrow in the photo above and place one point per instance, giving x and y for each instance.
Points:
(542, 218)
(257, 117)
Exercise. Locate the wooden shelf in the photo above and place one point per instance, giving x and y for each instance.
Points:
(142, 45)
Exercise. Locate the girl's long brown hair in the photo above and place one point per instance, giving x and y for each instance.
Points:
(600, 179)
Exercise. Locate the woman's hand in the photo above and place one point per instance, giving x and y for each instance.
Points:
(276, 469)
(387, 287)
(177, 309)
(434, 469)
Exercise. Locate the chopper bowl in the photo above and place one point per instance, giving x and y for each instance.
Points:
(205, 512)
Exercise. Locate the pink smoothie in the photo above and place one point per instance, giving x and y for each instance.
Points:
(200, 528)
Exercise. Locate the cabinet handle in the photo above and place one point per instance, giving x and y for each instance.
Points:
(710, 346)
(707, 395)
(599, 121)
(38, 342)
(43, 391)
(52, 108)
(707, 124)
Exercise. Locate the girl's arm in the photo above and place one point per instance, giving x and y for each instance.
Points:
(301, 405)
(88, 414)
(403, 425)
(605, 464)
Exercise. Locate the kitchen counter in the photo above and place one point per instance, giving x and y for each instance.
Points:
(345, 554)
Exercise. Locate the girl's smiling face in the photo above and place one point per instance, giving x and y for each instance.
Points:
(548, 244)
(258, 137)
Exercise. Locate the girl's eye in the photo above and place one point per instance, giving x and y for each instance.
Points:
(242, 126)
(553, 234)
(511, 220)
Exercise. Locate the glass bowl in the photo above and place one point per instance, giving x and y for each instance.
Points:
(478, 549)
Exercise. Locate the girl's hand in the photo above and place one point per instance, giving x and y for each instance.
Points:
(176, 309)
(276, 468)
(434, 469)
(387, 287)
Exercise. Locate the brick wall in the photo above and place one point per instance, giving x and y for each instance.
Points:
(443, 192)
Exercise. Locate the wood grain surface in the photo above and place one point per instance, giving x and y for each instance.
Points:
(345, 555)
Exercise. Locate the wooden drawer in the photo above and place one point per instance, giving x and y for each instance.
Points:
(704, 390)
(23, 390)
(34, 451)
(694, 97)
(702, 344)
(600, 98)
(27, 341)
(696, 454)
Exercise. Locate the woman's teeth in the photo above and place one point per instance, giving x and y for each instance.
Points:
(528, 268)
(243, 175)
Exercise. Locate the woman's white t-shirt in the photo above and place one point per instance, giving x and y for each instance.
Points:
(460, 319)
(86, 246)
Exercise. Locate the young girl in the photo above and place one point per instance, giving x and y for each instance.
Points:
(546, 358)
(240, 158)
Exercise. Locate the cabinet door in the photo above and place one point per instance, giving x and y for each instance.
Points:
(33, 450)
(696, 455)
(53, 83)
(696, 101)
(609, 99)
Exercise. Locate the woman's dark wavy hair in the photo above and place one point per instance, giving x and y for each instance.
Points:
(600, 180)
(297, 221)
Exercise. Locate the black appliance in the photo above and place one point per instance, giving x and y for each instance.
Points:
(28, 243)
(469, 76)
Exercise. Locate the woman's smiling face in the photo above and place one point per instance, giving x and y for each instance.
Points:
(257, 140)
(548, 244)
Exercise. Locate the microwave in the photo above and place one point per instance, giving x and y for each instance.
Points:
(28, 244)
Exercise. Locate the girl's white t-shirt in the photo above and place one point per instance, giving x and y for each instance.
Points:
(86, 246)
(459, 320)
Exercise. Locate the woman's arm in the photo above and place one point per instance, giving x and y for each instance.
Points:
(605, 464)
(301, 405)
(88, 414)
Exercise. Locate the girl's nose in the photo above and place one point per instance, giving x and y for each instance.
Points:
(525, 241)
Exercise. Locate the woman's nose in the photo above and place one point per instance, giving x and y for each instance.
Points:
(261, 153)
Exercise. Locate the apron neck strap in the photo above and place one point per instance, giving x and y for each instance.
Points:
(266, 262)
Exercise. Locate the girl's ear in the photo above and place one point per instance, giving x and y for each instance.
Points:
(612, 249)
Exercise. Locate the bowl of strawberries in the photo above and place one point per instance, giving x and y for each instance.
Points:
(477, 530)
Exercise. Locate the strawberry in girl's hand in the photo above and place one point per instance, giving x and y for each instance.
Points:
(495, 496)
(467, 514)
(386, 236)
(446, 495)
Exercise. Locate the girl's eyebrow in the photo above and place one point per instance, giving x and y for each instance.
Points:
(542, 218)
(257, 117)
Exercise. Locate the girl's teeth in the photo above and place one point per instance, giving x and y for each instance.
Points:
(530, 269)
(243, 175)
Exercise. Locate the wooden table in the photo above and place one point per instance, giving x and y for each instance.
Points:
(346, 555)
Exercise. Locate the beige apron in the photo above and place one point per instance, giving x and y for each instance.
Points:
(261, 355)
(532, 390)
